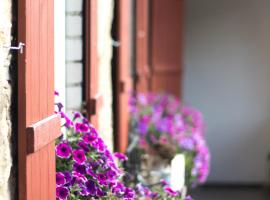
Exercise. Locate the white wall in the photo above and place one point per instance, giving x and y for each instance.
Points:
(59, 50)
(227, 76)
(74, 55)
(104, 43)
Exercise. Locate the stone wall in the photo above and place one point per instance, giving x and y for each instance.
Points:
(5, 100)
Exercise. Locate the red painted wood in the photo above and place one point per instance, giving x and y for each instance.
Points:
(92, 98)
(166, 45)
(142, 46)
(36, 101)
(124, 82)
(42, 133)
(94, 104)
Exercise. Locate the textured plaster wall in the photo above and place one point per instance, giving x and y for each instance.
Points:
(105, 17)
(5, 101)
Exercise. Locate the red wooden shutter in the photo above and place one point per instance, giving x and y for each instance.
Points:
(38, 127)
(124, 83)
(142, 46)
(166, 45)
(92, 98)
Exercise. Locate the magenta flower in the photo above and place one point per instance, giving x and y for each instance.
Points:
(79, 156)
(164, 182)
(68, 122)
(59, 106)
(118, 189)
(188, 198)
(68, 177)
(62, 193)
(92, 173)
(76, 115)
(79, 168)
(91, 187)
(171, 192)
(102, 179)
(63, 150)
(122, 157)
(60, 179)
(162, 120)
(88, 138)
(81, 128)
(129, 194)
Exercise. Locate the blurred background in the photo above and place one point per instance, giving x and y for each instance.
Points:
(213, 54)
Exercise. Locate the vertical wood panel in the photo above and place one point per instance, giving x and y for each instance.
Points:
(124, 83)
(43, 61)
(44, 186)
(91, 62)
(35, 169)
(51, 171)
(36, 97)
(142, 46)
(167, 45)
(34, 66)
(50, 60)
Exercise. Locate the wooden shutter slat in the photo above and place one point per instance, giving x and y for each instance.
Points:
(50, 40)
(166, 46)
(36, 101)
(92, 99)
(43, 159)
(34, 65)
(42, 133)
(142, 46)
(95, 104)
(124, 83)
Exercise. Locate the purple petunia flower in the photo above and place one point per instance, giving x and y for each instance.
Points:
(129, 194)
(88, 138)
(68, 122)
(84, 146)
(60, 179)
(188, 198)
(91, 187)
(101, 193)
(59, 106)
(79, 178)
(120, 156)
(99, 145)
(68, 177)
(81, 128)
(79, 156)
(164, 182)
(63, 150)
(187, 144)
(171, 192)
(76, 115)
(79, 168)
(62, 193)
(102, 179)
(118, 189)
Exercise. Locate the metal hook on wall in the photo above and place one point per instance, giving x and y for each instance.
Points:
(20, 47)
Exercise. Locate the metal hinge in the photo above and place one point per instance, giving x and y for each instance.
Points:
(20, 47)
